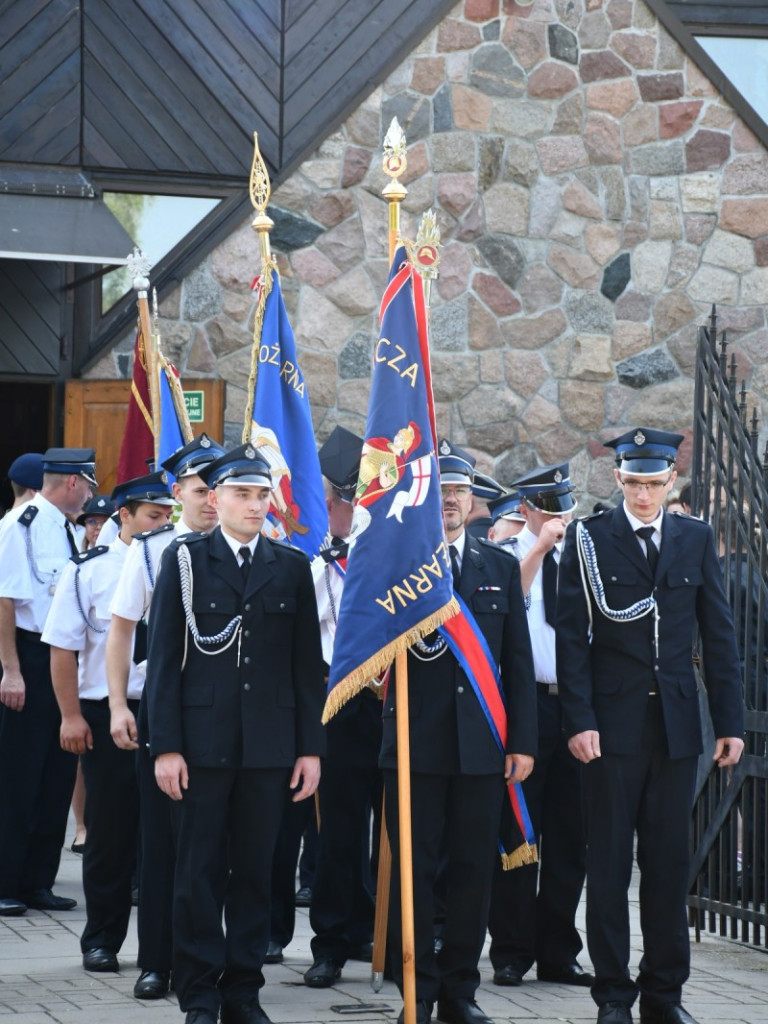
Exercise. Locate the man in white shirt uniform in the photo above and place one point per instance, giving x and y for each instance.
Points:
(76, 630)
(36, 543)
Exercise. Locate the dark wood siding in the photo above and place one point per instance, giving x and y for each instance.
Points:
(31, 311)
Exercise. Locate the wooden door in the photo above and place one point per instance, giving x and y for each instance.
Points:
(95, 412)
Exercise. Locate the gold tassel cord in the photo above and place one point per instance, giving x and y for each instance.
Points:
(177, 396)
(258, 324)
(525, 854)
(357, 681)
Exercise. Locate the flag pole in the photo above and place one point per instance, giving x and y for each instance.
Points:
(394, 165)
(140, 267)
(260, 191)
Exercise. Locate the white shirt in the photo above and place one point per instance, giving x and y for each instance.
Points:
(328, 578)
(636, 524)
(542, 634)
(32, 560)
(235, 545)
(85, 593)
(133, 593)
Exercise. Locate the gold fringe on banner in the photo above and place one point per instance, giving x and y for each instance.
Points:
(357, 681)
(258, 324)
(525, 854)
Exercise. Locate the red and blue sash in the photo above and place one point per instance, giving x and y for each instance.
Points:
(470, 648)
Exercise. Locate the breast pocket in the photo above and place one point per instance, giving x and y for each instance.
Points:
(279, 616)
(684, 576)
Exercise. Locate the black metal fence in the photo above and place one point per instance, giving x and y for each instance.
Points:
(729, 870)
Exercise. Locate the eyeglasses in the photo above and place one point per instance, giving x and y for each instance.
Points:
(95, 520)
(456, 492)
(652, 486)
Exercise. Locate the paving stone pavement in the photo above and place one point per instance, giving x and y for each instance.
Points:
(42, 981)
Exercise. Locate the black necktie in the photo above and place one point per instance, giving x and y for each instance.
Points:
(651, 551)
(245, 568)
(455, 570)
(71, 538)
(549, 586)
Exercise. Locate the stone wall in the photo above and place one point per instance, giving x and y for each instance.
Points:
(595, 194)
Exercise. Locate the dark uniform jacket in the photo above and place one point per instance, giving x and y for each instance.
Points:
(257, 703)
(605, 685)
(448, 729)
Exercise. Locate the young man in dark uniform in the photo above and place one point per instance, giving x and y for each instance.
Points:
(457, 771)
(634, 583)
(235, 694)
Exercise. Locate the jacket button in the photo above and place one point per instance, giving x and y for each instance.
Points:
(494, 607)
(685, 578)
(247, 686)
(223, 760)
(613, 579)
(460, 689)
(213, 604)
(246, 607)
(282, 604)
(246, 632)
(246, 660)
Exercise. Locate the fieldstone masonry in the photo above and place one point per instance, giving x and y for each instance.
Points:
(595, 195)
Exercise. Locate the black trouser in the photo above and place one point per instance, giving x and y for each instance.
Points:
(343, 907)
(651, 794)
(36, 778)
(228, 823)
(157, 861)
(298, 820)
(462, 811)
(526, 926)
(112, 824)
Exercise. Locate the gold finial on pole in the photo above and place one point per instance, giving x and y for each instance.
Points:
(394, 164)
(425, 252)
(261, 191)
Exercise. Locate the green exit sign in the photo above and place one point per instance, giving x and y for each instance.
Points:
(195, 403)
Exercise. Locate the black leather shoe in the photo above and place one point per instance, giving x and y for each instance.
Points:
(152, 985)
(249, 1012)
(322, 974)
(201, 1017)
(100, 960)
(423, 1012)
(304, 896)
(668, 1013)
(44, 899)
(507, 976)
(614, 1013)
(461, 1011)
(274, 954)
(568, 974)
(12, 908)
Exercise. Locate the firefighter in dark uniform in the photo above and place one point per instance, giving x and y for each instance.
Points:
(634, 582)
(527, 925)
(235, 694)
(457, 770)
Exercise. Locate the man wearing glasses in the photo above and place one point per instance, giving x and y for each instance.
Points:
(634, 583)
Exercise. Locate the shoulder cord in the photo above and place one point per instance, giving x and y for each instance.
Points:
(429, 652)
(590, 579)
(329, 591)
(30, 559)
(86, 620)
(230, 631)
(148, 566)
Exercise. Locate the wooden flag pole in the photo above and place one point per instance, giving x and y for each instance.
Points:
(140, 266)
(394, 166)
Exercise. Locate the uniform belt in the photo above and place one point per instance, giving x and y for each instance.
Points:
(552, 688)
(28, 632)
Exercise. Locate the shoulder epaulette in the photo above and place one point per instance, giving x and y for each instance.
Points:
(84, 556)
(27, 517)
(282, 545)
(494, 546)
(334, 553)
(686, 515)
(190, 538)
(153, 533)
(592, 515)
